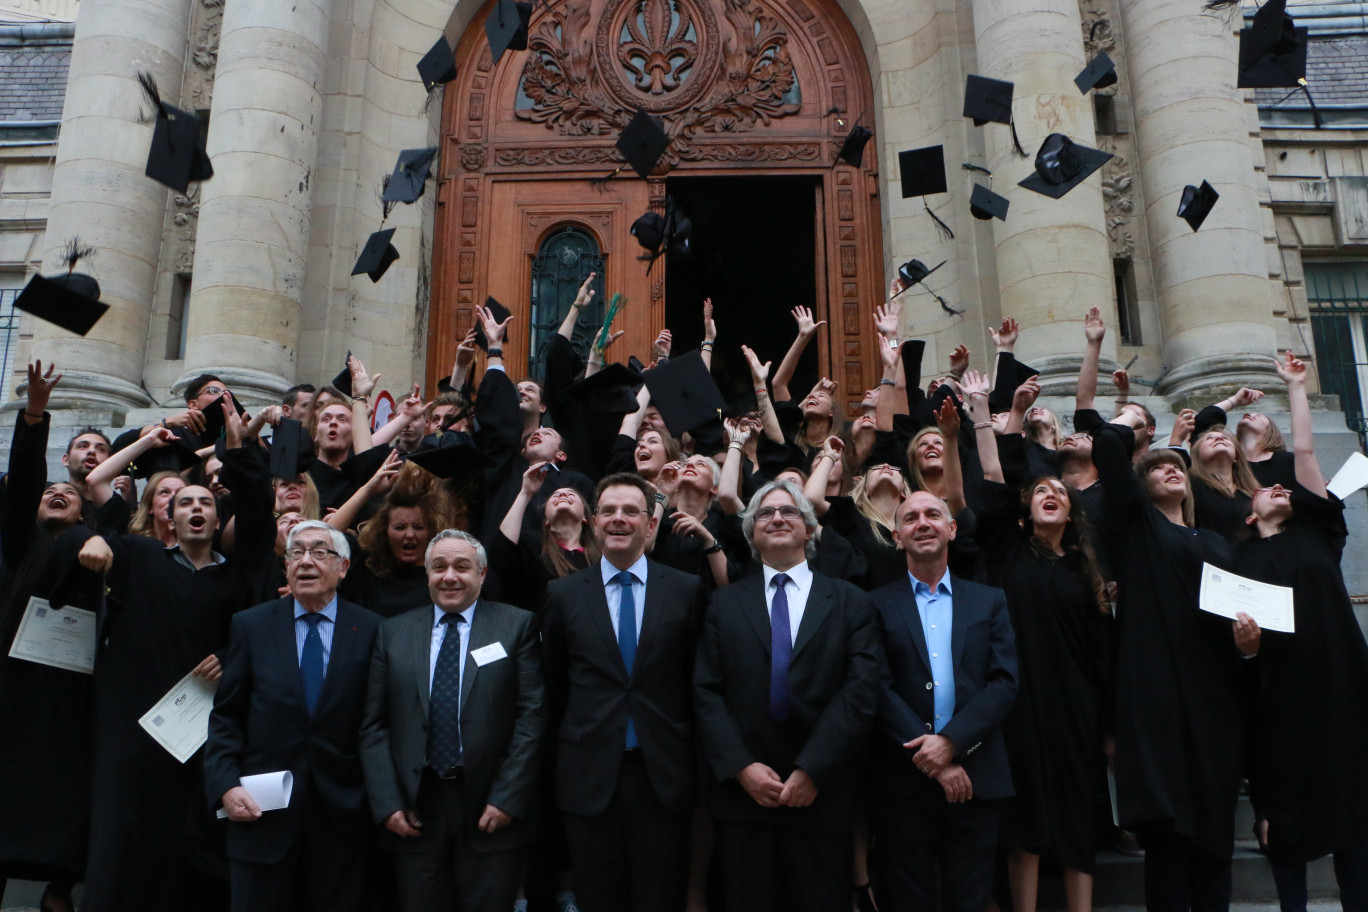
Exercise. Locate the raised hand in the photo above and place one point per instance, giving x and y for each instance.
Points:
(973, 382)
(585, 294)
(759, 372)
(660, 348)
(738, 430)
(833, 446)
(493, 329)
(1291, 370)
(40, 386)
(532, 479)
(1122, 380)
(948, 418)
(1247, 396)
(1182, 427)
(1094, 330)
(959, 360)
(1026, 395)
(412, 406)
(826, 385)
(1005, 337)
(465, 352)
(709, 327)
(667, 482)
(896, 287)
(886, 319)
(362, 382)
(806, 327)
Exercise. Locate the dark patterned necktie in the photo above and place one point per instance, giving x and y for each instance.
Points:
(444, 703)
(781, 649)
(627, 637)
(311, 667)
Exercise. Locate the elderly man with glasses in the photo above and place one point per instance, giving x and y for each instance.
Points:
(291, 698)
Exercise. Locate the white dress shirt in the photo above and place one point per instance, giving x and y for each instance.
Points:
(797, 588)
(612, 590)
(439, 632)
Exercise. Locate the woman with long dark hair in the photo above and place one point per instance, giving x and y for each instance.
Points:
(565, 544)
(1311, 683)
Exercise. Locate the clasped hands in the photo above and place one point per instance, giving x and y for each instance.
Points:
(933, 755)
(764, 785)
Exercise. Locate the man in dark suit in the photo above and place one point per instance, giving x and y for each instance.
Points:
(452, 737)
(940, 767)
(786, 687)
(620, 639)
(291, 696)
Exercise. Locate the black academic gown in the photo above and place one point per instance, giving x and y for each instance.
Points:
(1054, 733)
(44, 711)
(1220, 514)
(403, 589)
(1178, 722)
(1312, 690)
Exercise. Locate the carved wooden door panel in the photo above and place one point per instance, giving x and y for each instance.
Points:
(743, 87)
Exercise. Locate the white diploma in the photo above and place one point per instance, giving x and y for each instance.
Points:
(271, 791)
(1351, 476)
(180, 720)
(1225, 593)
(60, 637)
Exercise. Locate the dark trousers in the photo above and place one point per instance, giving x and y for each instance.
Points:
(1179, 877)
(1351, 871)
(324, 871)
(634, 857)
(769, 867)
(440, 871)
(913, 841)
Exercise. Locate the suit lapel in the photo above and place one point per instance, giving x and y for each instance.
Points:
(962, 615)
(344, 639)
(650, 613)
(483, 631)
(911, 615)
(283, 632)
(416, 641)
(602, 618)
(756, 609)
(820, 599)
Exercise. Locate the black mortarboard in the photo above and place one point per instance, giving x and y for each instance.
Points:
(649, 230)
(377, 256)
(611, 391)
(359, 468)
(176, 456)
(1062, 164)
(177, 156)
(213, 418)
(438, 65)
(506, 27)
(1098, 74)
(852, 150)
(987, 100)
(342, 382)
(684, 392)
(1272, 50)
(410, 176)
(1001, 400)
(642, 142)
(455, 454)
(922, 171)
(292, 450)
(70, 300)
(985, 204)
(913, 271)
(500, 313)
(1196, 204)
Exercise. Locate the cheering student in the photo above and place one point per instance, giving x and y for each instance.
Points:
(1309, 803)
(527, 561)
(1222, 484)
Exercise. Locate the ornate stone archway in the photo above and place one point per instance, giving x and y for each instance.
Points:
(744, 87)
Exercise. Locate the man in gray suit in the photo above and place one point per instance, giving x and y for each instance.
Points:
(452, 737)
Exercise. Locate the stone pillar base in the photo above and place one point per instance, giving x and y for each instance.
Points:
(1059, 374)
(88, 390)
(1212, 376)
(250, 387)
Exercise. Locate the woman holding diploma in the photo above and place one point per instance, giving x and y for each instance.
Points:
(1311, 683)
(1178, 721)
(44, 710)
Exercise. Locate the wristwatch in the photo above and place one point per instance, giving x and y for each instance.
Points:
(713, 548)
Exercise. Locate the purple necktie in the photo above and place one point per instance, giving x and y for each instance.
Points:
(781, 648)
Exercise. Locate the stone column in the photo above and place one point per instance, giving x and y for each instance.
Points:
(253, 240)
(1191, 124)
(100, 194)
(1053, 262)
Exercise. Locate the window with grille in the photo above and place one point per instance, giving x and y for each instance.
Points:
(10, 286)
(1338, 296)
(565, 259)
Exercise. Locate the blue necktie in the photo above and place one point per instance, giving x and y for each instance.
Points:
(311, 667)
(627, 637)
(781, 649)
(444, 703)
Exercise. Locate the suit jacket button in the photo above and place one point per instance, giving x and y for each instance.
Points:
(928, 726)
(928, 685)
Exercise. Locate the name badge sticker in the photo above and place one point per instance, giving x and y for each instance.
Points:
(486, 654)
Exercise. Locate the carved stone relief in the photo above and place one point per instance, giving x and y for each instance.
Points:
(1118, 197)
(185, 219)
(205, 26)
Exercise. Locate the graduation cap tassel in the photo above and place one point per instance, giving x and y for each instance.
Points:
(979, 168)
(945, 305)
(149, 87)
(1017, 142)
(601, 183)
(1220, 6)
(386, 206)
(74, 252)
(1315, 112)
(944, 229)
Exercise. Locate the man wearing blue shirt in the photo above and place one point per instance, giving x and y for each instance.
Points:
(939, 765)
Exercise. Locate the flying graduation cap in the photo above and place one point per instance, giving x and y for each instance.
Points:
(922, 172)
(657, 234)
(177, 156)
(984, 204)
(1098, 74)
(377, 256)
(438, 65)
(1062, 164)
(453, 453)
(852, 149)
(1196, 204)
(990, 101)
(913, 272)
(684, 392)
(1272, 50)
(506, 27)
(641, 144)
(70, 300)
(410, 176)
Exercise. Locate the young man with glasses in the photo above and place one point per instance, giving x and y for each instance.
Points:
(786, 687)
(291, 698)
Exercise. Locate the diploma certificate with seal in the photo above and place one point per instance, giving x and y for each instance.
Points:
(179, 721)
(60, 637)
(1226, 594)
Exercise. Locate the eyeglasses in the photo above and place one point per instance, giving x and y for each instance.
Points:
(319, 554)
(214, 391)
(788, 514)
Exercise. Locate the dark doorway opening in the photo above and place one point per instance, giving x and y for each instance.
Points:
(754, 254)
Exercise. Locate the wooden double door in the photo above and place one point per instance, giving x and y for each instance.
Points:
(755, 96)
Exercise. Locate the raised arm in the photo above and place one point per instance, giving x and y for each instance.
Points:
(582, 300)
(806, 330)
(341, 518)
(948, 420)
(975, 387)
(631, 424)
(99, 483)
(595, 362)
(729, 488)
(887, 403)
(1094, 330)
(512, 524)
(1293, 373)
(705, 348)
(821, 473)
(1022, 400)
(411, 408)
(363, 384)
(465, 359)
(759, 373)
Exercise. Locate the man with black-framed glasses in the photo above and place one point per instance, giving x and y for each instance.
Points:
(291, 698)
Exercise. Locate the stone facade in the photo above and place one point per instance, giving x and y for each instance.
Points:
(310, 102)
